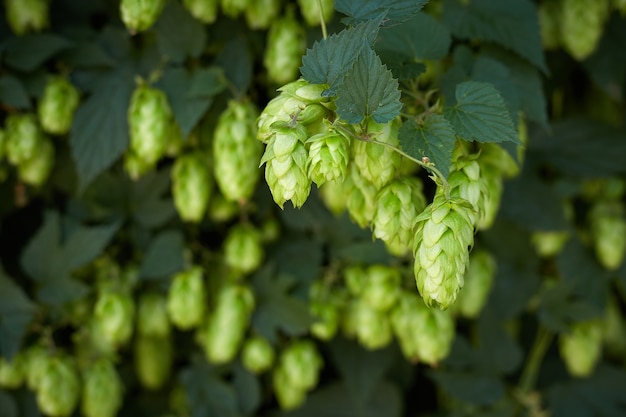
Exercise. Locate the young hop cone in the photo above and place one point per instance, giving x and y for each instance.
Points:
(380, 287)
(152, 319)
(581, 347)
(361, 196)
(186, 299)
(301, 364)
(191, 185)
(103, 390)
(329, 154)
(289, 396)
(261, 13)
(57, 105)
(243, 248)
(582, 24)
(467, 182)
(12, 371)
(444, 232)
(310, 10)
(23, 137)
(397, 205)
(233, 8)
(153, 360)
(370, 326)
(35, 359)
(140, 15)
(26, 16)
(114, 315)
(608, 232)
(286, 43)
(478, 282)
(257, 355)
(285, 160)
(236, 151)
(58, 392)
(36, 170)
(203, 10)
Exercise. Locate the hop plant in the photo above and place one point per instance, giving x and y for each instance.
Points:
(243, 248)
(203, 10)
(186, 299)
(286, 43)
(227, 325)
(191, 186)
(23, 137)
(285, 160)
(478, 282)
(443, 233)
(26, 16)
(114, 314)
(36, 170)
(236, 151)
(333, 196)
(582, 24)
(310, 10)
(261, 13)
(57, 105)
(608, 231)
(12, 371)
(153, 360)
(257, 354)
(59, 390)
(397, 205)
(150, 124)
(140, 15)
(328, 158)
(152, 319)
(103, 390)
(581, 347)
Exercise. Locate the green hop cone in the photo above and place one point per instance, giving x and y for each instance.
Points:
(582, 24)
(377, 163)
(285, 160)
(333, 196)
(36, 170)
(620, 6)
(103, 390)
(301, 363)
(153, 360)
(371, 327)
(614, 330)
(236, 151)
(467, 183)
(478, 282)
(380, 287)
(57, 105)
(186, 299)
(228, 323)
(257, 355)
(261, 13)
(35, 359)
(361, 197)
(548, 243)
(13, 371)
(150, 124)
(243, 248)
(114, 314)
(329, 154)
(289, 396)
(203, 10)
(140, 15)
(581, 347)
(59, 390)
(26, 16)
(549, 15)
(286, 43)
(152, 319)
(444, 233)
(191, 186)
(233, 8)
(325, 305)
(397, 205)
(310, 10)
(608, 232)
(424, 334)
(23, 137)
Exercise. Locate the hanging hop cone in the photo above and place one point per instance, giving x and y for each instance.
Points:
(57, 105)
(329, 154)
(286, 43)
(26, 16)
(301, 363)
(582, 24)
(203, 10)
(478, 281)
(13, 371)
(608, 232)
(286, 159)
(444, 232)
(23, 137)
(261, 13)
(58, 392)
(153, 360)
(257, 355)
(466, 182)
(581, 347)
(236, 151)
(140, 15)
(310, 10)
(186, 298)
(114, 315)
(361, 197)
(152, 317)
(370, 326)
(103, 390)
(36, 170)
(191, 186)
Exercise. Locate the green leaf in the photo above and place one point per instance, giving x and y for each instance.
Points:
(207, 82)
(149, 206)
(237, 61)
(513, 24)
(248, 390)
(87, 55)
(330, 59)
(299, 258)
(176, 83)
(607, 66)
(178, 34)
(368, 90)
(559, 308)
(13, 93)
(8, 405)
(433, 138)
(26, 53)
(16, 312)
(480, 114)
(395, 11)
(164, 257)
(99, 132)
(470, 388)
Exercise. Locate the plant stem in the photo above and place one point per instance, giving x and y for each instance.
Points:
(542, 342)
(322, 22)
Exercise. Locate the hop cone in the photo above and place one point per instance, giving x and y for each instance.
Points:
(57, 105)
(139, 15)
(243, 249)
(325, 306)
(285, 170)
(227, 325)
(310, 10)
(329, 154)
(371, 327)
(289, 396)
(191, 186)
(152, 317)
(186, 299)
(478, 282)
(608, 232)
(257, 355)
(301, 363)
(443, 233)
(58, 391)
(236, 151)
(377, 163)
(397, 205)
(549, 243)
(36, 170)
(234, 8)
(114, 314)
(261, 13)
(549, 15)
(150, 122)
(581, 347)
(153, 360)
(333, 195)
(35, 357)
(26, 16)
(23, 137)
(380, 287)
(582, 24)
(424, 334)
(467, 183)
(361, 196)
(614, 329)
(102, 390)
(203, 10)
(12, 371)
(286, 43)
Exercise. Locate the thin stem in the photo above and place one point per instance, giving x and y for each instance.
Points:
(322, 22)
(542, 342)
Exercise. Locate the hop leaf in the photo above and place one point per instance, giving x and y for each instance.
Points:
(57, 105)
